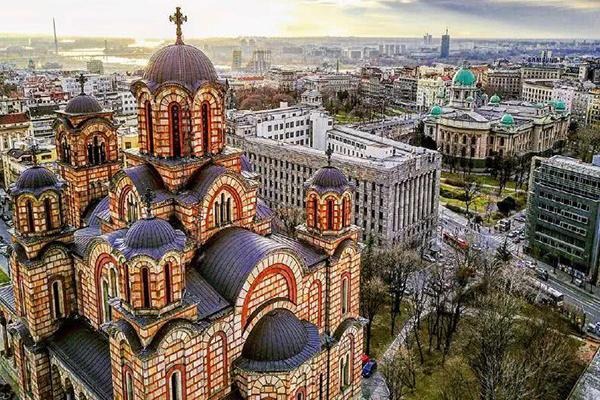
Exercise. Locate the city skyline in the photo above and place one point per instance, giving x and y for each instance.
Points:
(526, 19)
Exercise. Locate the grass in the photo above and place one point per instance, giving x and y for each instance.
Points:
(381, 337)
(344, 118)
(482, 179)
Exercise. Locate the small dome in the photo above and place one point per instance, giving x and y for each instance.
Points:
(279, 335)
(464, 77)
(441, 94)
(35, 178)
(83, 104)
(329, 179)
(470, 99)
(436, 111)
(560, 105)
(495, 99)
(150, 233)
(507, 119)
(180, 63)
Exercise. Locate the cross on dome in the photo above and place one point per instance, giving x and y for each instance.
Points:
(178, 19)
(329, 153)
(148, 199)
(34, 149)
(82, 80)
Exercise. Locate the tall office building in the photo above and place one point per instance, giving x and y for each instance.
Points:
(236, 61)
(445, 53)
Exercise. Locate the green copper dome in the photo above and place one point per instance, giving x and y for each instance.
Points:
(470, 99)
(560, 105)
(495, 99)
(507, 119)
(464, 77)
(540, 105)
(436, 111)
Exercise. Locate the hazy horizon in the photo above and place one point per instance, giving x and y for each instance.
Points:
(210, 19)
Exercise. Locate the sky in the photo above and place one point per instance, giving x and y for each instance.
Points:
(376, 18)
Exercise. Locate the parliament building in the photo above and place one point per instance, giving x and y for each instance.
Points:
(161, 277)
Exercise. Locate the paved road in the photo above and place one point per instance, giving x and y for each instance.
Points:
(488, 239)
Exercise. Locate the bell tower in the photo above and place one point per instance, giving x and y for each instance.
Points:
(328, 208)
(88, 154)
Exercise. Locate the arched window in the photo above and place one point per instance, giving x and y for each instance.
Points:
(345, 294)
(57, 299)
(106, 310)
(344, 371)
(146, 296)
(48, 213)
(168, 284)
(66, 151)
(90, 154)
(205, 129)
(228, 211)
(149, 128)
(127, 288)
(315, 212)
(222, 210)
(114, 285)
(217, 212)
(329, 214)
(96, 151)
(175, 386)
(175, 122)
(128, 387)
(344, 212)
(300, 394)
(29, 212)
(131, 207)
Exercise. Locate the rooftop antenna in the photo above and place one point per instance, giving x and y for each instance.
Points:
(178, 19)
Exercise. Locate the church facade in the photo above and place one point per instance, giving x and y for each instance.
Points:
(163, 277)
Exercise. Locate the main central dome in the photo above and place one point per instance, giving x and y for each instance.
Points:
(180, 63)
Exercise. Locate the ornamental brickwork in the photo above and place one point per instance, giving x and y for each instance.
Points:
(162, 277)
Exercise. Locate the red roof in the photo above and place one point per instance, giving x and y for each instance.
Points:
(16, 118)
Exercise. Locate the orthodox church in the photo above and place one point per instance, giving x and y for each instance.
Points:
(160, 277)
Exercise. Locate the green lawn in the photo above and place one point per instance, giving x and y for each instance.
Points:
(381, 336)
(345, 118)
(482, 179)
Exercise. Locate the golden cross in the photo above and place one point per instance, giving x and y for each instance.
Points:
(178, 18)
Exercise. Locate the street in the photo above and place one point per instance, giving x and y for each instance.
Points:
(490, 240)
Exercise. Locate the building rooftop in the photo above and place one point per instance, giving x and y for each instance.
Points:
(574, 165)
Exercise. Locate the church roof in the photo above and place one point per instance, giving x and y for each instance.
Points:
(309, 254)
(92, 218)
(35, 179)
(279, 342)
(230, 256)
(329, 179)
(86, 355)
(200, 182)
(83, 104)
(7, 297)
(180, 63)
(246, 164)
(145, 177)
(153, 237)
(198, 291)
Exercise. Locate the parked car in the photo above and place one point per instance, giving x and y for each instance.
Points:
(369, 368)
(365, 359)
(579, 282)
(428, 257)
(530, 264)
(541, 273)
(513, 234)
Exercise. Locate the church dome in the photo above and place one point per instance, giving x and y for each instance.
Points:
(83, 104)
(560, 105)
(180, 63)
(436, 111)
(150, 233)
(328, 179)
(507, 120)
(464, 77)
(35, 178)
(495, 99)
(279, 335)
(152, 237)
(470, 99)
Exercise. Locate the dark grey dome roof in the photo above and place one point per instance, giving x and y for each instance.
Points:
(246, 165)
(83, 104)
(152, 237)
(180, 63)
(329, 179)
(278, 335)
(35, 178)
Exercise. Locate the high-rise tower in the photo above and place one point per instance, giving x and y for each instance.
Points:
(445, 51)
(55, 38)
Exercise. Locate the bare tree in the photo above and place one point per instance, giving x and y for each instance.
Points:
(373, 296)
(418, 306)
(471, 192)
(290, 218)
(588, 142)
(400, 373)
